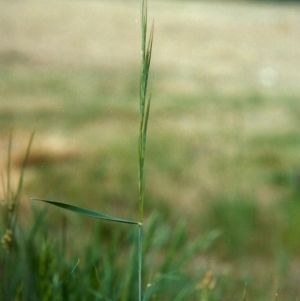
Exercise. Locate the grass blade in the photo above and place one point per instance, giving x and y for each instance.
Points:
(24, 163)
(20, 184)
(86, 212)
(8, 191)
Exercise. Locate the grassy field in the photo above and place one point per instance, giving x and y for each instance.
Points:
(224, 143)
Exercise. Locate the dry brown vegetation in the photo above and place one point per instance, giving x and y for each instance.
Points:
(229, 48)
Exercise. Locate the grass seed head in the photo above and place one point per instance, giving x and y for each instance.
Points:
(7, 240)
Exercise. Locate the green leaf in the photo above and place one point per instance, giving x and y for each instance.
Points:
(86, 212)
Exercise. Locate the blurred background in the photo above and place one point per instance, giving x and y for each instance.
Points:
(223, 146)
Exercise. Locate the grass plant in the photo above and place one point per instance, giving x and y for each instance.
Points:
(146, 50)
(11, 204)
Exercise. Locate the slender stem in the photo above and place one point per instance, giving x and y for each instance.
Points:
(143, 89)
(8, 192)
(146, 50)
(140, 258)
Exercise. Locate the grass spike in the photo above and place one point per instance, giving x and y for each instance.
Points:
(146, 51)
(144, 104)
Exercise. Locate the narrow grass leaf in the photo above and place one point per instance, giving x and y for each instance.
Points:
(144, 21)
(146, 60)
(24, 163)
(20, 184)
(8, 192)
(86, 212)
(149, 48)
(145, 126)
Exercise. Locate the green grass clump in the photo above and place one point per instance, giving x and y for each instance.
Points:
(50, 269)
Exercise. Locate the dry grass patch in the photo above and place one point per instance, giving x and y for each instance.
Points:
(224, 48)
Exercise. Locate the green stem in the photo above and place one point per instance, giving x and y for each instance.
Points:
(146, 50)
(140, 258)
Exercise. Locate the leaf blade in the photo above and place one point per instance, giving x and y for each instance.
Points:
(86, 212)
